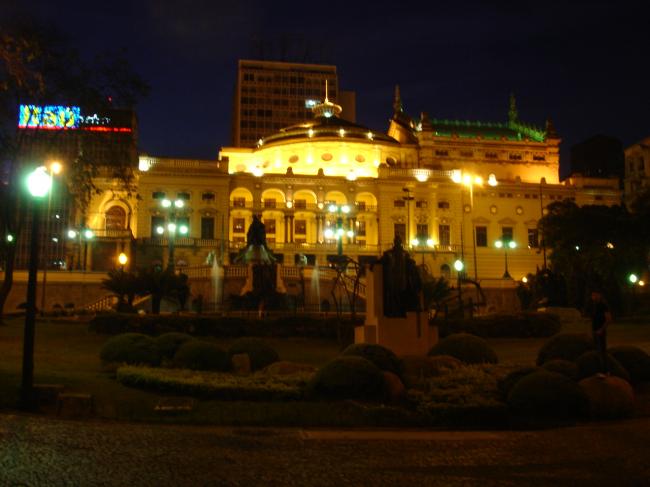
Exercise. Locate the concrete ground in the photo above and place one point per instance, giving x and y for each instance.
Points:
(39, 451)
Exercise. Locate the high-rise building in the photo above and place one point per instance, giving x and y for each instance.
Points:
(599, 156)
(637, 169)
(271, 95)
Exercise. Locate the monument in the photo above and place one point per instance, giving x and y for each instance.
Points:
(263, 281)
(395, 317)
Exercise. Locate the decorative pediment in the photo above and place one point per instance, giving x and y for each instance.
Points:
(507, 221)
(531, 223)
(480, 220)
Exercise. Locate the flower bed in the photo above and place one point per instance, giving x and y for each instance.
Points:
(215, 385)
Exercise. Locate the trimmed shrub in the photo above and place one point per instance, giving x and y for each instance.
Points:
(200, 355)
(589, 364)
(548, 395)
(130, 348)
(520, 325)
(566, 346)
(169, 343)
(285, 367)
(467, 348)
(505, 384)
(417, 368)
(563, 367)
(609, 397)
(348, 378)
(260, 353)
(382, 357)
(634, 360)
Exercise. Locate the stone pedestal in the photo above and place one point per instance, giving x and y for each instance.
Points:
(411, 335)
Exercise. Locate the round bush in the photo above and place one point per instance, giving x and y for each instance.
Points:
(548, 395)
(563, 367)
(169, 343)
(348, 378)
(467, 348)
(566, 346)
(589, 364)
(130, 348)
(505, 384)
(382, 357)
(634, 360)
(260, 353)
(609, 397)
(200, 355)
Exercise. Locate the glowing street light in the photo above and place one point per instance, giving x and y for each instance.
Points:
(122, 259)
(39, 182)
(633, 278)
(10, 238)
(505, 244)
(173, 207)
(56, 167)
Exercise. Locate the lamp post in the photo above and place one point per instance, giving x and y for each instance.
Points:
(173, 208)
(83, 235)
(408, 198)
(39, 183)
(459, 265)
(53, 169)
(340, 230)
(505, 244)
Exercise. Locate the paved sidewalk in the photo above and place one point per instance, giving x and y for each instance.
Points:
(38, 451)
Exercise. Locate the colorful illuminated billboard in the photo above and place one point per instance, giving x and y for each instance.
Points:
(60, 117)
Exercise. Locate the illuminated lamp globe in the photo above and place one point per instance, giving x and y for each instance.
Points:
(524, 279)
(512, 244)
(56, 167)
(88, 234)
(329, 233)
(415, 242)
(72, 234)
(458, 265)
(179, 203)
(339, 232)
(633, 278)
(345, 209)
(289, 204)
(258, 172)
(492, 180)
(430, 242)
(183, 229)
(39, 182)
(160, 230)
(122, 258)
(350, 234)
(478, 180)
(332, 208)
(498, 244)
(641, 283)
(166, 203)
(171, 227)
(10, 238)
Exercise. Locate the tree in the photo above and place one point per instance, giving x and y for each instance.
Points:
(123, 285)
(595, 247)
(160, 284)
(38, 65)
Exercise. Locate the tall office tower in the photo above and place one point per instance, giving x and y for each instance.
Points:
(270, 95)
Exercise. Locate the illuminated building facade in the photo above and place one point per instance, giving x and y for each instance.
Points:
(270, 95)
(450, 189)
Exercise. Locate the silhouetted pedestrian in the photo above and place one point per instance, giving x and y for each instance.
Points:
(601, 317)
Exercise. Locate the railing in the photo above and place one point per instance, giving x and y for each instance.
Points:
(102, 304)
(412, 172)
(105, 233)
(281, 205)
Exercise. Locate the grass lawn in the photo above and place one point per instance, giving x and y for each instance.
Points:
(67, 353)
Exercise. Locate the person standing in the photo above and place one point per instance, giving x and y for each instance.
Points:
(601, 317)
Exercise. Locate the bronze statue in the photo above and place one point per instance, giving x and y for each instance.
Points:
(402, 283)
(256, 234)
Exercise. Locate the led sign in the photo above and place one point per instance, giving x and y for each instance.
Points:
(60, 117)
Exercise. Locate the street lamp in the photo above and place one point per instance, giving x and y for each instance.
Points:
(459, 265)
(122, 259)
(340, 231)
(173, 208)
(54, 168)
(505, 244)
(408, 198)
(39, 183)
(85, 235)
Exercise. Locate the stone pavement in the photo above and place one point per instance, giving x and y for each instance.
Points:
(39, 451)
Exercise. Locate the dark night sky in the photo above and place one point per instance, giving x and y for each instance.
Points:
(582, 63)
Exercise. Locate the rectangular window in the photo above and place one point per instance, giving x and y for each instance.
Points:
(399, 203)
(444, 234)
(207, 227)
(300, 227)
(481, 236)
(269, 202)
(157, 221)
(238, 225)
(158, 195)
(507, 233)
(183, 196)
(361, 228)
(400, 229)
(442, 153)
(207, 196)
(533, 238)
(443, 205)
(491, 155)
(421, 204)
(361, 205)
(514, 157)
(300, 204)
(422, 231)
(239, 202)
(269, 225)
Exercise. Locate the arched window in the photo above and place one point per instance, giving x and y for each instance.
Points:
(115, 218)
(445, 271)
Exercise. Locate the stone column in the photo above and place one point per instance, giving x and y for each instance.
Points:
(286, 228)
(291, 228)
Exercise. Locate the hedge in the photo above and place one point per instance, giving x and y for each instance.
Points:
(200, 355)
(635, 361)
(169, 343)
(215, 326)
(467, 348)
(130, 348)
(589, 363)
(348, 378)
(520, 325)
(214, 385)
(260, 353)
(565, 346)
(383, 358)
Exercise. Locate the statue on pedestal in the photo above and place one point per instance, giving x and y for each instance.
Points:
(401, 283)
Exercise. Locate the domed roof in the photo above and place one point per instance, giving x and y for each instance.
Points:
(327, 127)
